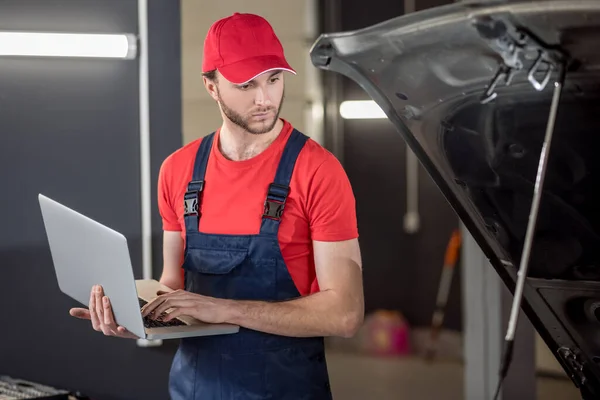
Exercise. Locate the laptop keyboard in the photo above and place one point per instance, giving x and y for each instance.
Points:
(152, 323)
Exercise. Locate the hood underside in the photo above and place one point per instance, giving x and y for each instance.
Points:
(469, 88)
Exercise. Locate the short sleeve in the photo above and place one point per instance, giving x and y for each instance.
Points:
(166, 207)
(331, 203)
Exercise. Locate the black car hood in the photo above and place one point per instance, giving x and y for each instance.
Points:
(429, 72)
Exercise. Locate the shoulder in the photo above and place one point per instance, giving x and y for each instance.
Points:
(315, 157)
(319, 169)
(174, 174)
(182, 156)
(326, 195)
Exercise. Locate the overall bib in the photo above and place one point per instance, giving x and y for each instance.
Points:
(249, 364)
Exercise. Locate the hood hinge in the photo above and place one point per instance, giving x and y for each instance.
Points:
(517, 47)
(574, 366)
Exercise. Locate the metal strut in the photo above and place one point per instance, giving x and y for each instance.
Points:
(533, 214)
(537, 194)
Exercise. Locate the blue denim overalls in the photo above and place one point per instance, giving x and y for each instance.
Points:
(249, 364)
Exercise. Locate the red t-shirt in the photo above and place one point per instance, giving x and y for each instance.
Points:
(320, 206)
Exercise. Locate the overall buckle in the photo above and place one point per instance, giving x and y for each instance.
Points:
(191, 198)
(273, 209)
(275, 202)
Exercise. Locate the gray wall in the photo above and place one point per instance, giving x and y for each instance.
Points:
(70, 129)
(401, 271)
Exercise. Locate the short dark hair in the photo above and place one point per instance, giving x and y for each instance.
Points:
(210, 75)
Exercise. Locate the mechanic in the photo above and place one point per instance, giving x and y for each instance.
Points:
(263, 220)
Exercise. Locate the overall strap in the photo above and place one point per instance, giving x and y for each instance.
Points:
(191, 199)
(279, 190)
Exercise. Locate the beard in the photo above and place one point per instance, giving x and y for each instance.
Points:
(244, 122)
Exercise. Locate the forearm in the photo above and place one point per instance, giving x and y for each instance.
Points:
(173, 282)
(173, 247)
(325, 313)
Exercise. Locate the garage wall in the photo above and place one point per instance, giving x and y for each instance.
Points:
(402, 270)
(70, 130)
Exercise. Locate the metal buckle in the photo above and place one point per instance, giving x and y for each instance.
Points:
(190, 206)
(273, 209)
(191, 199)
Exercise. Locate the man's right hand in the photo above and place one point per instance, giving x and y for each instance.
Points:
(101, 315)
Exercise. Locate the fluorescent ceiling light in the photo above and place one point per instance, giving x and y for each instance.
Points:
(38, 44)
(361, 109)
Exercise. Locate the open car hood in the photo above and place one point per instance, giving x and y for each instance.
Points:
(431, 73)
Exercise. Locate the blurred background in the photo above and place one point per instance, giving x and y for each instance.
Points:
(93, 133)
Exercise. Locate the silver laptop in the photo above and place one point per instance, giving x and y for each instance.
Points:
(87, 253)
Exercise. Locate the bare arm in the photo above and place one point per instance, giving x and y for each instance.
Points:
(337, 310)
(172, 259)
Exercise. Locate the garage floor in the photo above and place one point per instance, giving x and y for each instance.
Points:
(357, 377)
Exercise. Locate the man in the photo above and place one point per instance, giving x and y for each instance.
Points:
(263, 221)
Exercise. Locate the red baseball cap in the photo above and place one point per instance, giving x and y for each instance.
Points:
(242, 47)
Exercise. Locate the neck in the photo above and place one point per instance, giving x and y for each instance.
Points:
(236, 144)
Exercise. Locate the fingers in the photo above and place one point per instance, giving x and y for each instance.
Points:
(176, 313)
(163, 302)
(151, 306)
(173, 303)
(100, 311)
(107, 315)
(124, 333)
(101, 314)
(109, 323)
(109, 319)
(93, 314)
(81, 313)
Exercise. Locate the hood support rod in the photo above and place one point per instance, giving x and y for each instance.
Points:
(537, 194)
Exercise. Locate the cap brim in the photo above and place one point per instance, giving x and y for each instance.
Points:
(244, 71)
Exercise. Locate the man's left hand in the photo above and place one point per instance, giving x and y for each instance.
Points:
(181, 302)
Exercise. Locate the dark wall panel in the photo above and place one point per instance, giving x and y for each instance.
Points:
(424, 4)
(401, 271)
(357, 15)
(94, 16)
(166, 130)
(70, 129)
